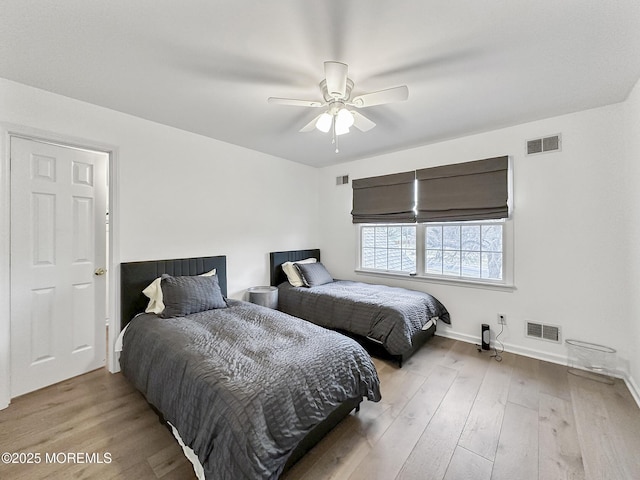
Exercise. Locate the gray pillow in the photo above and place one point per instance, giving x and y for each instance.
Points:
(313, 274)
(185, 295)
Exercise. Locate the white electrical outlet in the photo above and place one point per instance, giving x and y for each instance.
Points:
(502, 319)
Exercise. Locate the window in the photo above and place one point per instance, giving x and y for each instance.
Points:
(476, 252)
(448, 223)
(464, 250)
(389, 248)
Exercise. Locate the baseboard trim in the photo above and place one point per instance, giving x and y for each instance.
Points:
(541, 355)
(633, 388)
(519, 350)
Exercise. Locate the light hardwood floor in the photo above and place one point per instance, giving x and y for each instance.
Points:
(451, 413)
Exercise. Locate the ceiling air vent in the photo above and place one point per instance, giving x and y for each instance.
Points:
(542, 331)
(543, 145)
(342, 180)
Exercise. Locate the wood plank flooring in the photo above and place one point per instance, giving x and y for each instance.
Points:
(450, 413)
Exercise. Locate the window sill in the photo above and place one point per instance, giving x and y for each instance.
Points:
(442, 281)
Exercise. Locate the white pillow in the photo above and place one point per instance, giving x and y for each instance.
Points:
(154, 293)
(293, 275)
(208, 274)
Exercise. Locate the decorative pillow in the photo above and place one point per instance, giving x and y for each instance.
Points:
(292, 273)
(314, 274)
(185, 295)
(154, 293)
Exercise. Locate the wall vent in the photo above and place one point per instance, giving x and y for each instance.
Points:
(342, 180)
(543, 145)
(542, 331)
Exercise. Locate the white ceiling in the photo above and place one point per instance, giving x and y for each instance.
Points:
(208, 66)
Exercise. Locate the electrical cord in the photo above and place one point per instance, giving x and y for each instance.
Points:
(496, 355)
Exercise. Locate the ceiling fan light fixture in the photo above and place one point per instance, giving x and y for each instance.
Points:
(324, 122)
(336, 88)
(344, 119)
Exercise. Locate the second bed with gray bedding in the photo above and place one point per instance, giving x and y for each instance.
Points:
(387, 315)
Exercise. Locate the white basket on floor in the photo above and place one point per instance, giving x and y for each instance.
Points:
(590, 360)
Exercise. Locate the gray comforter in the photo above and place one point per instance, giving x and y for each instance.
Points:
(388, 315)
(243, 385)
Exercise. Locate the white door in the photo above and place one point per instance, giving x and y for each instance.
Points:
(58, 235)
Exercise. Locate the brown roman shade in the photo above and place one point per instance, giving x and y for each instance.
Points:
(384, 199)
(464, 191)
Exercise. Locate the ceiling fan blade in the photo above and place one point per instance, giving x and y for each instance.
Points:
(335, 74)
(361, 122)
(395, 94)
(294, 102)
(311, 125)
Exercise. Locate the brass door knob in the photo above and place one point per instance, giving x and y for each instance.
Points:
(100, 271)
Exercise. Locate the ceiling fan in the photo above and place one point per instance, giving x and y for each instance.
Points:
(338, 116)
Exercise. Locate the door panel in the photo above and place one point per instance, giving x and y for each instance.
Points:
(58, 236)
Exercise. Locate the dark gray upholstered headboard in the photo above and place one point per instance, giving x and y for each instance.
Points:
(135, 276)
(278, 258)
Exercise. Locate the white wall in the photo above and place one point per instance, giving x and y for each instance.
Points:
(183, 194)
(632, 136)
(570, 233)
(180, 194)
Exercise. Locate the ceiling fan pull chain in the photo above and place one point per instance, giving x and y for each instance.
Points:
(335, 138)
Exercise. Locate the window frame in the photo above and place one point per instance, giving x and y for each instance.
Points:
(506, 283)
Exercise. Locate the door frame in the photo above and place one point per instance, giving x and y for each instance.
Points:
(7, 130)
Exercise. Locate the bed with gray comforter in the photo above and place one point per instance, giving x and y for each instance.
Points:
(244, 384)
(387, 315)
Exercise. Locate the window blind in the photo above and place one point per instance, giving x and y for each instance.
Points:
(464, 191)
(384, 199)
